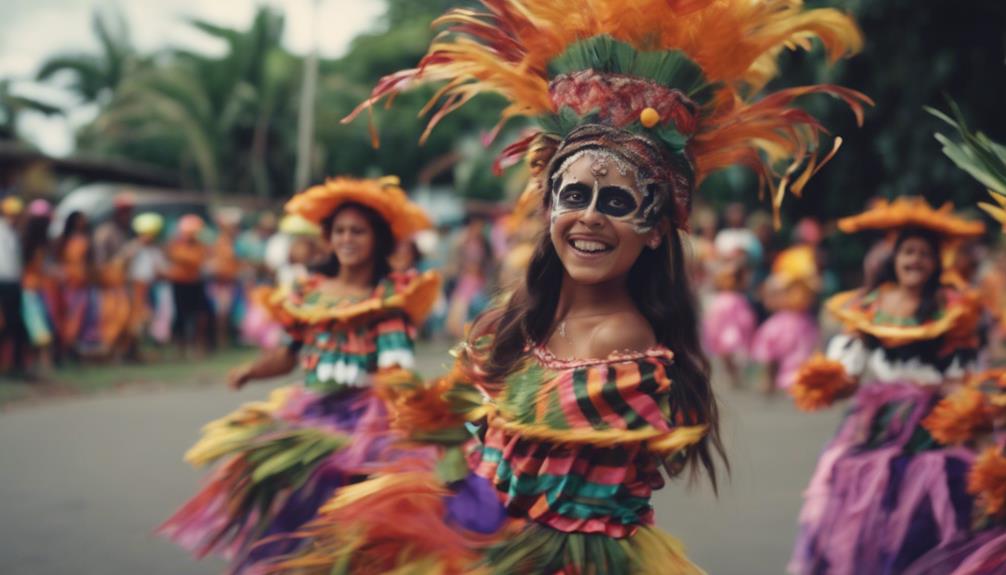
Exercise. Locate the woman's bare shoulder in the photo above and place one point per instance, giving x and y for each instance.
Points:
(620, 332)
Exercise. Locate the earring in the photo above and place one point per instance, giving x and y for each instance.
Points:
(654, 244)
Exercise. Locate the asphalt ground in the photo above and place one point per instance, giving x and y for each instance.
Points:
(84, 482)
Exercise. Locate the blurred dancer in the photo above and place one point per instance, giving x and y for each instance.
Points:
(886, 491)
(280, 460)
(790, 335)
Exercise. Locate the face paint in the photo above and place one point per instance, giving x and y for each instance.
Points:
(599, 191)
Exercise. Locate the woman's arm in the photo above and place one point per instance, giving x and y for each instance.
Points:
(274, 362)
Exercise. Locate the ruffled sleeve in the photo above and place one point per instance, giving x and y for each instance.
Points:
(578, 446)
(621, 399)
(955, 322)
(278, 303)
(406, 299)
(850, 351)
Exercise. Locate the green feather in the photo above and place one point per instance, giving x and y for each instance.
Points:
(671, 68)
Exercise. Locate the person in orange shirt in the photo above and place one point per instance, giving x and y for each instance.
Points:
(187, 256)
(110, 258)
(224, 270)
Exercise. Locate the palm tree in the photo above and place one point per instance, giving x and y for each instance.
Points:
(12, 105)
(95, 77)
(225, 122)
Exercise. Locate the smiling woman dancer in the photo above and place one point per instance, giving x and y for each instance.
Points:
(886, 491)
(590, 379)
(279, 460)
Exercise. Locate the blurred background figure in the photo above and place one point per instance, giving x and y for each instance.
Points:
(473, 265)
(703, 250)
(224, 270)
(251, 246)
(13, 336)
(38, 282)
(760, 224)
(187, 256)
(790, 335)
(146, 266)
(992, 290)
(735, 235)
(77, 312)
(299, 237)
(406, 256)
(110, 259)
(301, 251)
(728, 320)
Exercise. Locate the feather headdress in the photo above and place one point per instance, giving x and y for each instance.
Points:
(686, 74)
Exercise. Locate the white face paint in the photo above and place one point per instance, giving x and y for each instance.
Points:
(609, 185)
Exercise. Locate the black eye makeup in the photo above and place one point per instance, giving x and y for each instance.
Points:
(612, 201)
(575, 196)
(616, 202)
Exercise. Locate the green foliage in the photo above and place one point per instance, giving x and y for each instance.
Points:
(916, 53)
(225, 123)
(976, 154)
(12, 105)
(94, 77)
(229, 123)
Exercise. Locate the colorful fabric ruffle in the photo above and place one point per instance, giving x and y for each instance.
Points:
(279, 462)
(971, 416)
(884, 493)
(577, 446)
(979, 554)
(956, 320)
(343, 340)
(563, 463)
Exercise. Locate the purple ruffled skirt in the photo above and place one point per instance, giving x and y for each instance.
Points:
(884, 493)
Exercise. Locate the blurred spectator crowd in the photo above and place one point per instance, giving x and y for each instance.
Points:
(139, 286)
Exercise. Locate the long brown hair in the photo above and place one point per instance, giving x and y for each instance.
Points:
(658, 285)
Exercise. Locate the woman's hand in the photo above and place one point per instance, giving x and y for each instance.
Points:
(239, 376)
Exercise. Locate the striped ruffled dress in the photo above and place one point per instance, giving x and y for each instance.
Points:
(556, 477)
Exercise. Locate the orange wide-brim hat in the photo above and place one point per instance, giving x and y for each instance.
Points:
(912, 212)
(383, 195)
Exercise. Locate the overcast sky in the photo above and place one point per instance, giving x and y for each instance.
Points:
(31, 30)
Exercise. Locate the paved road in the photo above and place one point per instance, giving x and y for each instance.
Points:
(84, 482)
